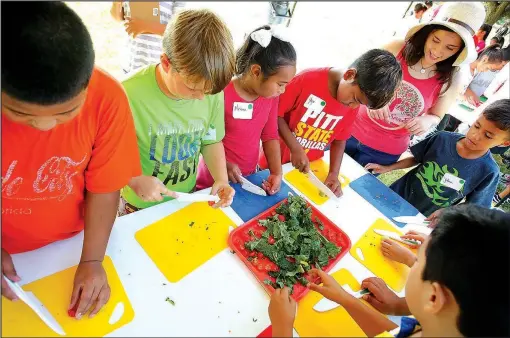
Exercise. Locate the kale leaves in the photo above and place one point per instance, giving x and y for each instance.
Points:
(293, 243)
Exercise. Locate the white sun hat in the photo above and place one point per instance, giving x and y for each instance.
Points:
(464, 18)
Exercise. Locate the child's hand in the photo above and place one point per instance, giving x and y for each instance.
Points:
(8, 271)
(234, 173)
(397, 252)
(225, 192)
(471, 97)
(299, 160)
(333, 183)
(421, 124)
(415, 235)
(273, 183)
(380, 114)
(329, 288)
(382, 298)
(377, 168)
(150, 188)
(135, 27)
(90, 290)
(434, 218)
(282, 312)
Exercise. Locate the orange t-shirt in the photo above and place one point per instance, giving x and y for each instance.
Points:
(45, 174)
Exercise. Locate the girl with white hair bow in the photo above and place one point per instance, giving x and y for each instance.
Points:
(264, 65)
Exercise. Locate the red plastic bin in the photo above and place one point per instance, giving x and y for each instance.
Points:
(262, 265)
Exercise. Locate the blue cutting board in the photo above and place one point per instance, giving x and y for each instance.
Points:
(388, 202)
(248, 205)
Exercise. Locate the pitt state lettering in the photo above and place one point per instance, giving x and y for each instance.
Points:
(316, 126)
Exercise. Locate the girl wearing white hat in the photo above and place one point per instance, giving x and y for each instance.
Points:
(430, 56)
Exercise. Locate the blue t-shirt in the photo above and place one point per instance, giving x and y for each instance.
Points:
(443, 178)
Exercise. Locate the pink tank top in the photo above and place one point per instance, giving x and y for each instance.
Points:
(413, 98)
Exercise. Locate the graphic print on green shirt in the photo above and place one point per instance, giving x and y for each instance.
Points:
(430, 176)
(170, 133)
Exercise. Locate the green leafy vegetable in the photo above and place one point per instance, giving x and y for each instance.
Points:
(170, 301)
(293, 243)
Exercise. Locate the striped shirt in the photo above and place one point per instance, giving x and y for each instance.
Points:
(146, 49)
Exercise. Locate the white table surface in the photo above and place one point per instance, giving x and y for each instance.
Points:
(462, 114)
(220, 297)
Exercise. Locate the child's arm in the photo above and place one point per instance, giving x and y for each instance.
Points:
(214, 158)
(297, 153)
(336, 155)
(90, 277)
(402, 164)
(271, 146)
(370, 321)
(282, 312)
(117, 11)
(274, 161)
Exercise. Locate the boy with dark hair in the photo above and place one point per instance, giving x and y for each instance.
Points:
(452, 166)
(319, 106)
(68, 144)
(444, 287)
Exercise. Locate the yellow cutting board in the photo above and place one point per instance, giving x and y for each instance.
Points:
(393, 273)
(333, 323)
(181, 242)
(301, 182)
(54, 291)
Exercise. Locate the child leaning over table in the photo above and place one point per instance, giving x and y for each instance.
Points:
(67, 145)
(320, 105)
(444, 291)
(452, 166)
(265, 64)
(178, 111)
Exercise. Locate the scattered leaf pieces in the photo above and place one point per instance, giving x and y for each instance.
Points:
(170, 301)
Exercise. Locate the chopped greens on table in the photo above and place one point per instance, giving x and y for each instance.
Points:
(293, 243)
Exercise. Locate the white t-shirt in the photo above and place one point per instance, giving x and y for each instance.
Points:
(146, 49)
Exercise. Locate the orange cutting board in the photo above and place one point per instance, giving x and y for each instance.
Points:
(181, 242)
(393, 273)
(333, 323)
(54, 291)
(301, 182)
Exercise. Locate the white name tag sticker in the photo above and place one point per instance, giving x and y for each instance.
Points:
(155, 11)
(450, 181)
(242, 110)
(315, 103)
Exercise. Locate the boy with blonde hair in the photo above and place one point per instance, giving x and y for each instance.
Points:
(179, 112)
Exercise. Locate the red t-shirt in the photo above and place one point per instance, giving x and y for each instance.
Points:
(45, 174)
(243, 134)
(479, 44)
(314, 116)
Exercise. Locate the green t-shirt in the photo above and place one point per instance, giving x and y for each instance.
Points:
(170, 132)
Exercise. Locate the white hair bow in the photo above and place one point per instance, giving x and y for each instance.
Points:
(263, 36)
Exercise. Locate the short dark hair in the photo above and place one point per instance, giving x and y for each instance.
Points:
(47, 52)
(378, 74)
(494, 53)
(414, 50)
(499, 113)
(487, 29)
(470, 246)
(277, 54)
(499, 40)
(419, 7)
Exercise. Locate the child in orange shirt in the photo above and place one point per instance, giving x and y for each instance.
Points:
(68, 144)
